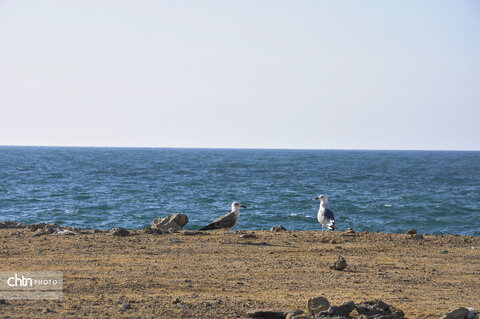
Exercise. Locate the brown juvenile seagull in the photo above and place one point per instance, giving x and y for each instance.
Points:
(228, 221)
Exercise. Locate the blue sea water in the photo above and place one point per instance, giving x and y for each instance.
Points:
(382, 191)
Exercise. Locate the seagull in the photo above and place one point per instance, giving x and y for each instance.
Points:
(325, 215)
(228, 221)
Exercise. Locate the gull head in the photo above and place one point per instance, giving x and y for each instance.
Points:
(322, 198)
(236, 206)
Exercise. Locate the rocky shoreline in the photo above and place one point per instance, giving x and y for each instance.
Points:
(165, 272)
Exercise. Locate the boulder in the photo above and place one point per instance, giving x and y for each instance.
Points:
(315, 305)
(412, 232)
(176, 222)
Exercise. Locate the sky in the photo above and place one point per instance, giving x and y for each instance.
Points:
(241, 74)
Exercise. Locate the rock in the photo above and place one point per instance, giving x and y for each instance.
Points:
(340, 264)
(176, 300)
(252, 235)
(194, 233)
(472, 314)
(47, 310)
(459, 313)
(3, 302)
(278, 228)
(317, 304)
(126, 305)
(412, 232)
(118, 231)
(350, 231)
(297, 314)
(266, 314)
(12, 224)
(379, 309)
(342, 310)
(417, 236)
(176, 221)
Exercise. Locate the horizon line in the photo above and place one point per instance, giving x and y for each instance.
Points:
(249, 148)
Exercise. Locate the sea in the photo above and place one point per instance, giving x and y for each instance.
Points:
(436, 192)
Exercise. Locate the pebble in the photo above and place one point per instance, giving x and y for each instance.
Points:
(350, 231)
(412, 232)
(176, 300)
(126, 306)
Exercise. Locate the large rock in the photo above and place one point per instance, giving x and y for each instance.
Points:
(460, 313)
(175, 222)
(12, 224)
(315, 305)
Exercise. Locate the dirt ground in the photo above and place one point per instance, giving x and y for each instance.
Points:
(218, 275)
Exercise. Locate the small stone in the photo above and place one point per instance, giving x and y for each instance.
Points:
(459, 313)
(47, 310)
(118, 231)
(350, 231)
(176, 300)
(333, 241)
(3, 302)
(417, 237)
(126, 306)
(266, 314)
(412, 232)
(317, 304)
(340, 264)
(278, 228)
(248, 236)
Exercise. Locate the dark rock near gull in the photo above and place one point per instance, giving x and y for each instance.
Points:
(412, 232)
(278, 228)
(175, 222)
(118, 231)
(350, 231)
(340, 264)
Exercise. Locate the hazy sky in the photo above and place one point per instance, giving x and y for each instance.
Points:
(261, 74)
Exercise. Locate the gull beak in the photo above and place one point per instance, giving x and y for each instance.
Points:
(243, 206)
(317, 198)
